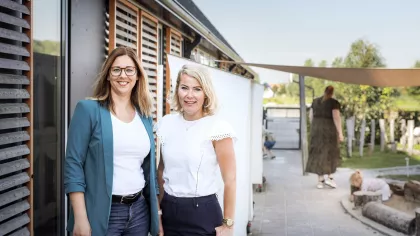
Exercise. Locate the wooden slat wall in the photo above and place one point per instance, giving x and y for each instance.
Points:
(173, 46)
(149, 54)
(16, 158)
(123, 25)
(176, 43)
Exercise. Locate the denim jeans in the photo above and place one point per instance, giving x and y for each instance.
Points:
(129, 219)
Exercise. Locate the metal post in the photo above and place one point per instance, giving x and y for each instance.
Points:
(303, 132)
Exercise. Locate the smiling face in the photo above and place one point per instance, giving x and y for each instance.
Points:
(191, 97)
(123, 76)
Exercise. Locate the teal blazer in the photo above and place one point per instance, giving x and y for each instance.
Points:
(89, 166)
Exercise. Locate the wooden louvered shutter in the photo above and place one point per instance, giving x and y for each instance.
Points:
(173, 47)
(16, 156)
(176, 43)
(123, 25)
(149, 55)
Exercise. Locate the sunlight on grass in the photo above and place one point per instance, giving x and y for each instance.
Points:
(377, 159)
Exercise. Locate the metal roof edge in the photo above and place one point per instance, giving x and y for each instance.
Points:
(185, 16)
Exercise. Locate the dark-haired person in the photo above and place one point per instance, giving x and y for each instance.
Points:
(326, 133)
(110, 166)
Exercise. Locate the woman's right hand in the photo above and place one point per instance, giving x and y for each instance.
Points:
(82, 228)
(340, 137)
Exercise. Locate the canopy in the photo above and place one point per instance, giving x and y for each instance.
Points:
(380, 77)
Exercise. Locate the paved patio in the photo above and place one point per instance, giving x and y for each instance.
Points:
(291, 204)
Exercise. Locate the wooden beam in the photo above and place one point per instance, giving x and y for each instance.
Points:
(112, 25)
(129, 4)
(168, 74)
(29, 116)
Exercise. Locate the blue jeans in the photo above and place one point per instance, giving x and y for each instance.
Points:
(269, 144)
(129, 219)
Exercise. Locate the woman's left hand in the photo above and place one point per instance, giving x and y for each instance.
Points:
(160, 226)
(223, 230)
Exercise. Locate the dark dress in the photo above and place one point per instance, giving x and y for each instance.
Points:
(324, 150)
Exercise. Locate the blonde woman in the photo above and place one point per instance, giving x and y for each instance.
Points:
(195, 145)
(110, 170)
(326, 133)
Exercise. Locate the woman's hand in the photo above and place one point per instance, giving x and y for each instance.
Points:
(82, 228)
(223, 230)
(340, 137)
(160, 226)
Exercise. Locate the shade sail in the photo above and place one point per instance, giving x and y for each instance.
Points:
(380, 77)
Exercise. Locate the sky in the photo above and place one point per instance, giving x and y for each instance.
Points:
(290, 31)
(47, 21)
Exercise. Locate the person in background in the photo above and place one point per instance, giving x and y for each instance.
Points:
(326, 133)
(268, 143)
(110, 166)
(196, 145)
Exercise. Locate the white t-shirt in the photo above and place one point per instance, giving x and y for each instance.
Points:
(373, 184)
(191, 166)
(131, 146)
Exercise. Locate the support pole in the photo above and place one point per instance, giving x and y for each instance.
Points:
(303, 132)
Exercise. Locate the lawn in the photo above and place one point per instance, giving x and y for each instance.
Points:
(377, 159)
(400, 177)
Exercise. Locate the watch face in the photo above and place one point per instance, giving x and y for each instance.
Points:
(229, 222)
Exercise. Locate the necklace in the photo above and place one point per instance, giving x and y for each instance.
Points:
(189, 124)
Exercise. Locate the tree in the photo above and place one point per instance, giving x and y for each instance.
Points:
(417, 64)
(362, 100)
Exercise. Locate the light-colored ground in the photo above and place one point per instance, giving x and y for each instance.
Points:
(291, 204)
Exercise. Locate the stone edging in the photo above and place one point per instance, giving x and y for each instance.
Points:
(357, 214)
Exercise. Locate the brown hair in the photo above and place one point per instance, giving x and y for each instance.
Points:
(328, 93)
(140, 95)
(203, 77)
(356, 178)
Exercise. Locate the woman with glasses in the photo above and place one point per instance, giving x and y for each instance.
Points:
(110, 167)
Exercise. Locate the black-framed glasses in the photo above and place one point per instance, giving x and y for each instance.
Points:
(129, 70)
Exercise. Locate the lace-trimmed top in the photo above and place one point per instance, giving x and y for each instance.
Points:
(191, 167)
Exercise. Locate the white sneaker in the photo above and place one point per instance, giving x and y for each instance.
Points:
(320, 185)
(331, 183)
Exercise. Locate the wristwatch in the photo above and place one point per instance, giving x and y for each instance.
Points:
(228, 222)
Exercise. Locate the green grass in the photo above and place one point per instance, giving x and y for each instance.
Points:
(407, 103)
(377, 159)
(401, 177)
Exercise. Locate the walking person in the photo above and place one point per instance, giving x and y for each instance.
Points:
(326, 133)
(196, 145)
(110, 166)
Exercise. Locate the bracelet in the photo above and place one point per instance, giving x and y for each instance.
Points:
(160, 212)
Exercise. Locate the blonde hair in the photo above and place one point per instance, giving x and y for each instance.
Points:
(356, 178)
(140, 95)
(203, 77)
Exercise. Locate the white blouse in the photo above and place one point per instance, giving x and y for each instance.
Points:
(191, 167)
(131, 146)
